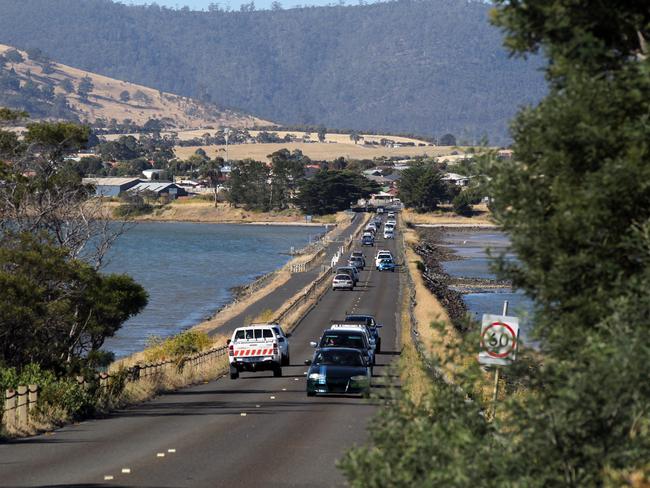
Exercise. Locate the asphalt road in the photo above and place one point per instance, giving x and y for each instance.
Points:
(257, 431)
(297, 281)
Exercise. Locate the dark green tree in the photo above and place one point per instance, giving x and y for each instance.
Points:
(249, 185)
(447, 140)
(125, 96)
(287, 169)
(333, 191)
(54, 311)
(321, 132)
(85, 87)
(67, 85)
(421, 187)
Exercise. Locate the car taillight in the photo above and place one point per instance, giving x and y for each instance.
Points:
(275, 348)
(231, 350)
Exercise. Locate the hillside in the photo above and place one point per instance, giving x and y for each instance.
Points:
(48, 89)
(426, 67)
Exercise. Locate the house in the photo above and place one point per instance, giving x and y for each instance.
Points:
(110, 187)
(456, 179)
(160, 188)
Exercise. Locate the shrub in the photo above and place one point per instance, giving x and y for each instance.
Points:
(177, 347)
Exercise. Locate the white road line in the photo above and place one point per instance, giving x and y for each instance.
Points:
(109, 477)
(243, 414)
(272, 398)
(171, 450)
(160, 454)
(126, 470)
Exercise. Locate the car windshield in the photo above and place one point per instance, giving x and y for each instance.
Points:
(340, 358)
(354, 341)
(343, 277)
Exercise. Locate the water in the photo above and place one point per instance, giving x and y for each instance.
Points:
(188, 270)
(472, 246)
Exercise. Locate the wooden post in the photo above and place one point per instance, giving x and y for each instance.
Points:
(21, 407)
(10, 408)
(32, 397)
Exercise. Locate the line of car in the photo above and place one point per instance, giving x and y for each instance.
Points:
(345, 353)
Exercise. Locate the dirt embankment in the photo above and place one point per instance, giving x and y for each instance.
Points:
(435, 279)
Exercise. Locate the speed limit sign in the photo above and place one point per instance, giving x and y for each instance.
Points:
(499, 340)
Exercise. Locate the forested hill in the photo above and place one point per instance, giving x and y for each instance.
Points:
(426, 67)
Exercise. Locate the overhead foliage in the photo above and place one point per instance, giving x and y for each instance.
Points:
(575, 203)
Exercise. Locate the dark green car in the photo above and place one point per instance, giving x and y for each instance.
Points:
(338, 371)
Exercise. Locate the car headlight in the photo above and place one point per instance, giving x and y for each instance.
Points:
(319, 378)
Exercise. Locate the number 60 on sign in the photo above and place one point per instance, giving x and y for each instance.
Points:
(499, 340)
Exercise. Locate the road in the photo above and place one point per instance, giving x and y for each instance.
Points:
(257, 431)
(297, 281)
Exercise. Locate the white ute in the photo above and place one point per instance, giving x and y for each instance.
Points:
(258, 347)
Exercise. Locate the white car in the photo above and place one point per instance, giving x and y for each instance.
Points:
(388, 234)
(342, 282)
(258, 347)
(382, 254)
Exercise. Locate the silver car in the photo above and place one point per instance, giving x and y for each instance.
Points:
(342, 282)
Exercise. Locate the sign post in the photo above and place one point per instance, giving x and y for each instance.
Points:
(499, 342)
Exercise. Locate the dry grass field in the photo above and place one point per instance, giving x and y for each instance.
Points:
(316, 151)
(104, 101)
(481, 217)
(196, 210)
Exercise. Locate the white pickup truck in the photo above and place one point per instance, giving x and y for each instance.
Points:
(258, 347)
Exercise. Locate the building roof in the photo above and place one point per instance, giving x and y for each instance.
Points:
(155, 186)
(108, 181)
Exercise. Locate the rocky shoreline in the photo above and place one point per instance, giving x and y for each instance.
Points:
(448, 290)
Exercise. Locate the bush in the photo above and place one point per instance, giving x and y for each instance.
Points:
(177, 347)
(62, 392)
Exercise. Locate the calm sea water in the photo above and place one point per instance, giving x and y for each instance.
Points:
(473, 247)
(188, 270)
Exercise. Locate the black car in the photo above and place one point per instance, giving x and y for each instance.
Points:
(370, 323)
(339, 371)
(356, 339)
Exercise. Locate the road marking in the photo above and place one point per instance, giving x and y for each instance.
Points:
(171, 450)
(284, 389)
(272, 398)
(243, 414)
(126, 470)
(108, 477)
(258, 406)
(160, 454)
(296, 379)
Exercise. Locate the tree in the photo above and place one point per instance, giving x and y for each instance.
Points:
(125, 96)
(66, 85)
(448, 140)
(54, 310)
(211, 170)
(85, 87)
(354, 136)
(421, 187)
(333, 191)
(575, 206)
(249, 185)
(286, 171)
(322, 132)
(14, 56)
